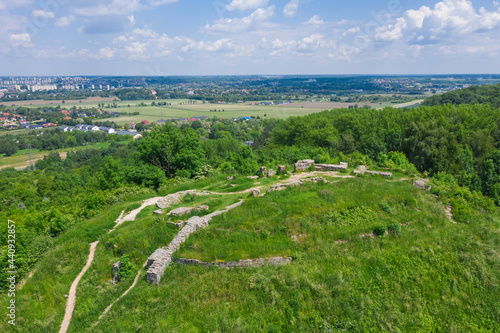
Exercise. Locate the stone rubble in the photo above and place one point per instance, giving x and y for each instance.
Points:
(273, 261)
(363, 169)
(162, 257)
(186, 210)
(175, 198)
(421, 183)
(331, 167)
(271, 172)
(303, 165)
(255, 192)
(280, 187)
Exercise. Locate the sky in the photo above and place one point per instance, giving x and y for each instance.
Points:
(246, 37)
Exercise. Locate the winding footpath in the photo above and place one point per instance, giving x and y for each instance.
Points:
(70, 305)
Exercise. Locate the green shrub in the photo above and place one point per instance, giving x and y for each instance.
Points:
(126, 269)
(385, 207)
(394, 228)
(380, 230)
(350, 216)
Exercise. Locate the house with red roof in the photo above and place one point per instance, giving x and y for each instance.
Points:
(67, 118)
(145, 122)
(132, 125)
(192, 119)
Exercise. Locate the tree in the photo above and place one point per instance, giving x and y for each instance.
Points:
(172, 150)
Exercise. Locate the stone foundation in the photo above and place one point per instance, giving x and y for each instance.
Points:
(162, 257)
(274, 261)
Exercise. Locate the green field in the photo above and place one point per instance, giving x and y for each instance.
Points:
(429, 276)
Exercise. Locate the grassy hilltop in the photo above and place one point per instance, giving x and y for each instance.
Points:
(426, 274)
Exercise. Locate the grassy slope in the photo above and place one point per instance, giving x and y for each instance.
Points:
(434, 276)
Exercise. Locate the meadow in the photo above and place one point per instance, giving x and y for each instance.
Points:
(428, 275)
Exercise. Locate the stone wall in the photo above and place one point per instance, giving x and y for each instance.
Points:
(363, 169)
(162, 257)
(280, 187)
(331, 167)
(273, 261)
(303, 165)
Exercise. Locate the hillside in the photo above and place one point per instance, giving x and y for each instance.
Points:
(426, 273)
(487, 94)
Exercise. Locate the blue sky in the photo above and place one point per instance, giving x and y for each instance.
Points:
(219, 37)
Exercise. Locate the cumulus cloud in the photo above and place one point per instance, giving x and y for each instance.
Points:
(65, 21)
(246, 4)
(448, 19)
(291, 8)
(315, 20)
(4, 4)
(43, 14)
(21, 40)
(108, 7)
(238, 25)
(309, 44)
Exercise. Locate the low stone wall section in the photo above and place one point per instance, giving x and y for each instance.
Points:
(248, 263)
(331, 167)
(162, 257)
(280, 187)
(303, 165)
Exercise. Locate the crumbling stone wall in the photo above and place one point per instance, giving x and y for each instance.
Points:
(303, 165)
(162, 257)
(280, 187)
(273, 261)
(331, 167)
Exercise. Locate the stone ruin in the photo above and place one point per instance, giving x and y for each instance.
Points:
(179, 224)
(273, 261)
(331, 167)
(263, 171)
(255, 192)
(271, 172)
(280, 187)
(422, 183)
(303, 165)
(116, 269)
(282, 168)
(162, 257)
(363, 169)
(186, 210)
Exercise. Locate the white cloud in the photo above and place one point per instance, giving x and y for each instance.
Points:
(160, 2)
(4, 4)
(238, 25)
(449, 19)
(65, 21)
(291, 8)
(21, 40)
(314, 43)
(106, 52)
(109, 7)
(316, 20)
(43, 14)
(246, 4)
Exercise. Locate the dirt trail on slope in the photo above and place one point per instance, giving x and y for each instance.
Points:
(125, 293)
(133, 214)
(70, 305)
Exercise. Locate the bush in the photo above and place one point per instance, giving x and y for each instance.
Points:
(394, 228)
(380, 230)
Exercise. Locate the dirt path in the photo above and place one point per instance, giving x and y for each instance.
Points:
(133, 214)
(70, 305)
(125, 293)
(448, 213)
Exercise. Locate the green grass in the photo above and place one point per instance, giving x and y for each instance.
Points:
(434, 276)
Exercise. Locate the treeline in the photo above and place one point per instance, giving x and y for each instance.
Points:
(51, 140)
(487, 94)
(459, 140)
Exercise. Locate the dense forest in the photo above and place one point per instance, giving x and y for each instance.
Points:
(454, 144)
(487, 94)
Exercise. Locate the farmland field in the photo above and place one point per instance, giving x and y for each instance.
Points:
(176, 108)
